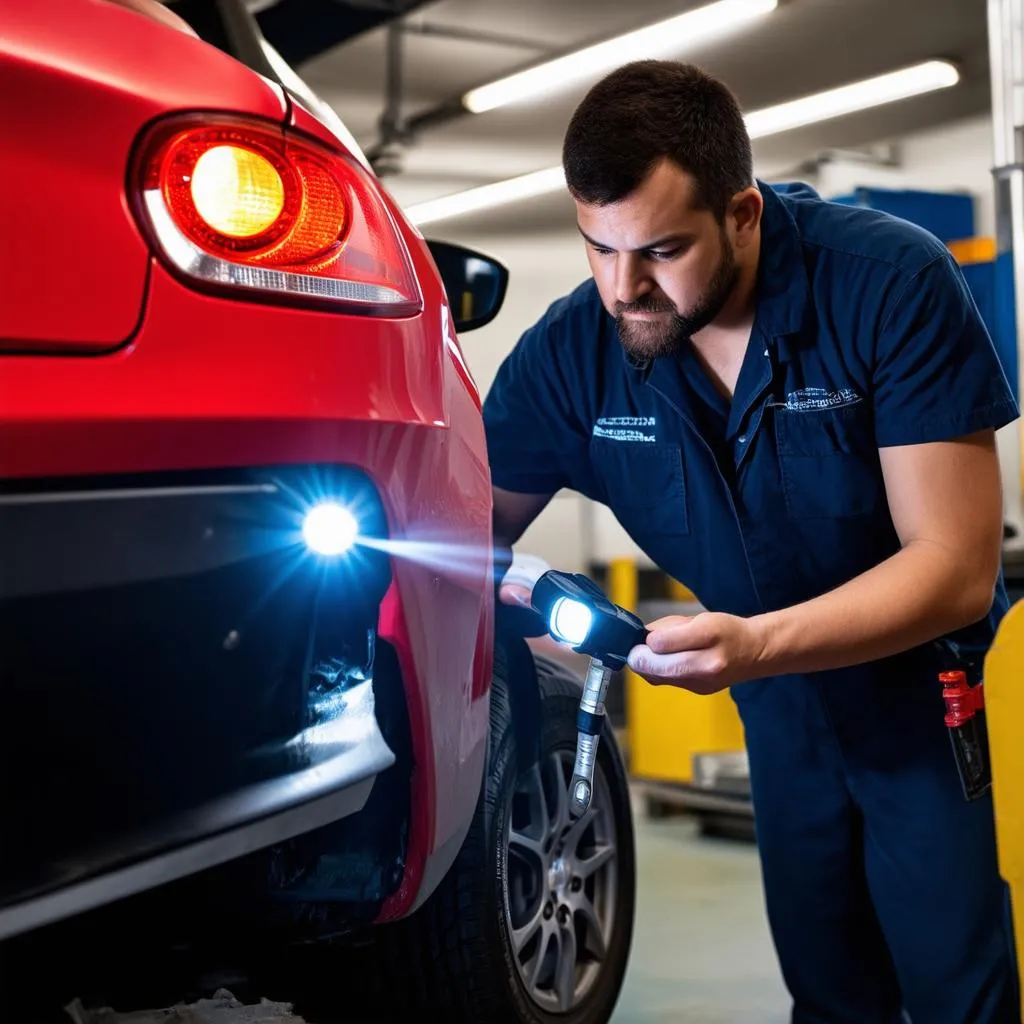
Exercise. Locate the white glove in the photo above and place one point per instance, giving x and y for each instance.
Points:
(518, 583)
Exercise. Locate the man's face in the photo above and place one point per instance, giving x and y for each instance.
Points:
(664, 269)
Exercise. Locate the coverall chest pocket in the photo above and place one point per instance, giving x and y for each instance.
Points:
(828, 462)
(644, 485)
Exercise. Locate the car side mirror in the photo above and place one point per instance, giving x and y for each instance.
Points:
(475, 283)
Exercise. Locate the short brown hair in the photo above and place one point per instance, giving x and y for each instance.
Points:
(646, 111)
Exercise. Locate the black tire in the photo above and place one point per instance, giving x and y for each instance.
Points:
(453, 959)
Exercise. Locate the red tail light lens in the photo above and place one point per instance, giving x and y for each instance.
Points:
(246, 205)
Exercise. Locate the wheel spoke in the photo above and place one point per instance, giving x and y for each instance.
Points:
(595, 938)
(573, 836)
(561, 819)
(521, 936)
(528, 843)
(565, 970)
(533, 969)
(586, 866)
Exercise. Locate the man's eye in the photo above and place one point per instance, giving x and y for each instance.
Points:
(665, 254)
(600, 251)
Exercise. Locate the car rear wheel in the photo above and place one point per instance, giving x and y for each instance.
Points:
(561, 885)
(534, 922)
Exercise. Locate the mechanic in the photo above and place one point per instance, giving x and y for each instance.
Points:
(790, 405)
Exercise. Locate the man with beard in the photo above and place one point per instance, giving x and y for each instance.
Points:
(790, 405)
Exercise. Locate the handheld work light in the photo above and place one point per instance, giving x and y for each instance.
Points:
(578, 613)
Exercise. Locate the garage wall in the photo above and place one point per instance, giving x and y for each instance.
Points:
(542, 267)
(546, 265)
(954, 157)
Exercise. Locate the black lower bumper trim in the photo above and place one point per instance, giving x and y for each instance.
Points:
(233, 827)
(176, 664)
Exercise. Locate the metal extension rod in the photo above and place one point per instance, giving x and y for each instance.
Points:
(595, 692)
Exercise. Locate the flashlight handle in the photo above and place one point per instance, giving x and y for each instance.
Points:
(589, 721)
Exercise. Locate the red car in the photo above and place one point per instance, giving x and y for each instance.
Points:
(247, 603)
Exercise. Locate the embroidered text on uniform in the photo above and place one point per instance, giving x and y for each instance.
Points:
(624, 428)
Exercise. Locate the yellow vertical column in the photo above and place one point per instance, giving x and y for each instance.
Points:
(680, 592)
(668, 725)
(1004, 713)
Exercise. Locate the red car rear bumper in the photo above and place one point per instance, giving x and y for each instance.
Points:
(212, 384)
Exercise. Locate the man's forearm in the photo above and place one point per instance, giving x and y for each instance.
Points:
(918, 594)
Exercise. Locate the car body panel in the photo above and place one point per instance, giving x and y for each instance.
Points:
(210, 366)
(213, 383)
(87, 75)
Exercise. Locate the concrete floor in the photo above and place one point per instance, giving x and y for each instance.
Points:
(701, 950)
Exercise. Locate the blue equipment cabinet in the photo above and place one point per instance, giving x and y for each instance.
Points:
(947, 215)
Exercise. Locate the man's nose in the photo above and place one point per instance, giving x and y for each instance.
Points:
(631, 281)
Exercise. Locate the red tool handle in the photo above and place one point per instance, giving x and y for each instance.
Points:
(963, 702)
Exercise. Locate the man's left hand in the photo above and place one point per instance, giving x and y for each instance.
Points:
(704, 653)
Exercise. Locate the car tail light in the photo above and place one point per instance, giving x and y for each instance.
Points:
(245, 205)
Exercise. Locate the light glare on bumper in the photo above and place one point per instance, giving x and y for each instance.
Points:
(330, 529)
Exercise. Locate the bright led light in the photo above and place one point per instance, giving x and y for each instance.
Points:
(690, 29)
(237, 192)
(570, 620)
(330, 529)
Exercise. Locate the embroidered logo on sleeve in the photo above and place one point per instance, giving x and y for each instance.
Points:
(804, 399)
(625, 428)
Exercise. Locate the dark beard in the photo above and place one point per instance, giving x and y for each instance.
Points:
(650, 340)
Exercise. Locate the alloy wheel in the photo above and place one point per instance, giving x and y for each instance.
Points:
(560, 884)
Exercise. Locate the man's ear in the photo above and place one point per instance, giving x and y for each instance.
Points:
(744, 213)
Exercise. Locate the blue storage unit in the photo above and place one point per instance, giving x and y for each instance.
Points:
(947, 215)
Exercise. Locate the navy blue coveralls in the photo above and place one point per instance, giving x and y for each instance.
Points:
(881, 879)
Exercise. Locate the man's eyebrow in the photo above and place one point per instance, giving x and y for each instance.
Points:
(644, 248)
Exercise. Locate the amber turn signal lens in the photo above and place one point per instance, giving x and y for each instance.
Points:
(236, 191)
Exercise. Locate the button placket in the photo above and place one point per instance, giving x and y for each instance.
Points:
(743, 441)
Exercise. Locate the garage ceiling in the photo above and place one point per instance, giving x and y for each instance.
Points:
(803, 47)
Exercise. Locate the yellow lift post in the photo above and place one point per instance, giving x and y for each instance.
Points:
(669, 729)
(1004, 713)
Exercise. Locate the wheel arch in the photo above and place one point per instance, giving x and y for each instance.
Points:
(523, 669)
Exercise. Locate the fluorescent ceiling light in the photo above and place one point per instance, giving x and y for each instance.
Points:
(689, 29)
(823, 106)
(525, 186)
(848, 99)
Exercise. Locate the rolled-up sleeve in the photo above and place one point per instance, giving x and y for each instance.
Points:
(937, 375)
(536, 441)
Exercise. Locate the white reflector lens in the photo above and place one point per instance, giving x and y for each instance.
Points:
(330, 529)
(570, 620)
